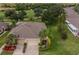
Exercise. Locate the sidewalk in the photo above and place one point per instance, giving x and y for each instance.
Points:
(1, 49)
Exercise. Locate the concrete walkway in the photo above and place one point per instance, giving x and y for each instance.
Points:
(18, 50)
(32, 48)
(1, 49)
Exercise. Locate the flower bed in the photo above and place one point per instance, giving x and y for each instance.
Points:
(9, 48)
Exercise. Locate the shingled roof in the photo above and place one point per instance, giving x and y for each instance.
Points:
(28, 29)
(72, 16)
(3, 25)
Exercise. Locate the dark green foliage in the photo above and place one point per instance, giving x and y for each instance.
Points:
(8, 13)
(43, 6)
(38, 11)
(14, 16)
(43, 33)
(51, 15)
(11, 40)
(2, 16)
(21, 6)
(76, 8)
(63, 35)
(21, 15)
(62, 31)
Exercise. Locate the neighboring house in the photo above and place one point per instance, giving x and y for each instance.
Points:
(28, 30)
(3, 27)
(72, 19)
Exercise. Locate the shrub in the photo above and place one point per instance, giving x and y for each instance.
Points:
(63, 35)
(9, 12)
(76, 8)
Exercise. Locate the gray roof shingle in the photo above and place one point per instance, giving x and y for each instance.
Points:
(3, 25)
(72, 16)
(28, 29)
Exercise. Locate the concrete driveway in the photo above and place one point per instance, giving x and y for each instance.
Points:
(32, 48)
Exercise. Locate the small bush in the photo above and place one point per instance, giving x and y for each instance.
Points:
(63, 35)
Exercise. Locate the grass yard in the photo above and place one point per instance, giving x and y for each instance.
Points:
(70, 46)
(3, 38)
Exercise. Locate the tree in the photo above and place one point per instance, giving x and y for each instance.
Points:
(64, 35)
(2, 16)
(61, 22)
(61, 27)
(21, 6)
(38, 11)
(30, 14)
(9, 12)
(21, 15)
(50, 16)
(76, 8)
(14, 16)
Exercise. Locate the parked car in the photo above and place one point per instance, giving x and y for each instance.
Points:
(72, 28)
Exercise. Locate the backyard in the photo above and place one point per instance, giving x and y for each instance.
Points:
(70, 46)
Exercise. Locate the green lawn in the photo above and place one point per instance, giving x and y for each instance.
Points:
(3, 38)
(70, 46)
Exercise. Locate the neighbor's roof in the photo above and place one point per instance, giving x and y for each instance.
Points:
(72, 16)
(2, 24)
(28, 29)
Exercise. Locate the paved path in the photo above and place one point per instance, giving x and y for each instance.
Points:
(18, 50)
(32, 48)
(1, 49)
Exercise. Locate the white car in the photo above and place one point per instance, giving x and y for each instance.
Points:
(72, 28)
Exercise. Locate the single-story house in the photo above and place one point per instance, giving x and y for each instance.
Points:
(3, 26)
(28, 30)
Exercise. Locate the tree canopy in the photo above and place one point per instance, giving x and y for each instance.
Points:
(50, 16)
(21, 6)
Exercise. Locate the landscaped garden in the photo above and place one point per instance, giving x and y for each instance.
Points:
(62, 47)
(10, 46)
